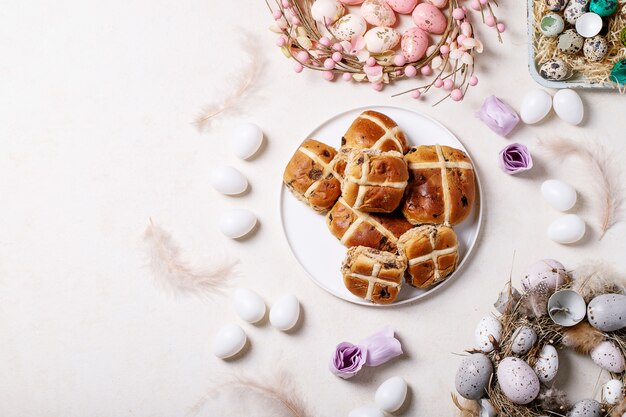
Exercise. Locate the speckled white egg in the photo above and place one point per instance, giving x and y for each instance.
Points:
(246, 140)
(586, 408)
(613, 391)
(285, 312)
(608, 357)
(228, 341)
(487, 326)
(575, 9)
(227, 180)
(567, 229)
(473, 376)
(391, 394)
(348, 27)
(237, 223)
(545, 276)
(535, 106)
(486, 409)
(524, 338)
(596, 48)
(366, 411)
(551, 25)
(589, 25)
(327, 11)
(517, 380)
(568, 106)
(248, 305)
(560, 195)
(402, 6)
(381, 39)
(378, 13)
(547, 364)
(607, 312)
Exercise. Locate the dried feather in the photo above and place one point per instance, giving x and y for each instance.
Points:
(602, 169)
(555, 400)
(239, 86)
(171, 271)
(469, 408)
(582, 338)
(242, 396)
(596, 277)
(620, 409)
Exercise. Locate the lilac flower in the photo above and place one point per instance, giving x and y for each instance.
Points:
(515, 158)
(498, 116)
(347, 360)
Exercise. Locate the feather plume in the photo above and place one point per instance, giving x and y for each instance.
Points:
(554, 400)
(243, 396)
(620, 409)
(239, 86)
(469, 408)
(171, 271)
(596, 277)
(582, 337)
(601, 168)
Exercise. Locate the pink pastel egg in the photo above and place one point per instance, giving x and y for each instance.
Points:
(378, 13)
(429, 18)
(402, 6)
(438, 3)
(414, 43)
(351, 2)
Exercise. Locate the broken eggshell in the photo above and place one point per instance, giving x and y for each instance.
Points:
(566, 308)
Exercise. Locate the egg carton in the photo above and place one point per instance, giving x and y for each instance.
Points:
(575, 82)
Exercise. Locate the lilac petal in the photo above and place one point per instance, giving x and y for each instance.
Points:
(381, 347)
(498, 116)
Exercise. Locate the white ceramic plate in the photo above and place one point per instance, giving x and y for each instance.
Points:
(320, 253)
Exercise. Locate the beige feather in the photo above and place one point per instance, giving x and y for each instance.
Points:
(469, 408)
(582, 338)
(171, 271)
(602, 169)
(596, 277)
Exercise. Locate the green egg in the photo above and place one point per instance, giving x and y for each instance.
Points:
(618, 74)
(622, 37)
(603, 8)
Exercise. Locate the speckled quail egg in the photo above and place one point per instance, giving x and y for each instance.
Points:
(586, 408)
(523, 340)
(555, 70)
(575, 9)
(570, 42)
(551, 25)
(596, 48)
(556, 5)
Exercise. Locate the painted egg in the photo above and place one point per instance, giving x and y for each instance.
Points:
(517, 380)
(351, 2)
(381, 39)
(575, 9)
(246, 140)
(429, 18)
(567, 229)
(603, 8)
(248, 305)
(613, 391)
(607, 312)
(586, 408)
(545, 276)
(366, 411)
(327, 11)
(414, 44)
(524, 339)
(285, 312)
(547, 364)
(556, 5)
(438, 3)
(391, 394)
(570, 42)
(402, 6)
(555, 70)
(229, 340)
(488, 326)
(473, 376)
(568, 106)
(595, 49)
(535, 106)
(567, 308)
(227, 180)
(608, 357)
(378, 13)
(237, 223)
(589, 25)
(551, 25)
(486, 409)
(560, 195)
(348, 27)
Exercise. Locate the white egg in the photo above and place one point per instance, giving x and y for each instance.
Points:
(613, 391)
(488, 326)
(227, 180)
(391, 394)
(560, 195)
(285, 312)
(246, 140)
(547, 364)
(607, 312)
(237, 223)
(327, 11)
(608, 356)
(523, 340)
(588, 25)
(535, 106)
(228, 341)
(517, 380)
(473, 376)
(486, 409)
(348, 27)
(248, 305)
(567, 229)
(569, 106)
(381, 39)
(586, 408)
(366, 411)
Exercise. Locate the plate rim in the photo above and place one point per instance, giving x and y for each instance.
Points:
(434, 289)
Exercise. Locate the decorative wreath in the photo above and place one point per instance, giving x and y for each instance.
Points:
(510, 371)
(449, 62)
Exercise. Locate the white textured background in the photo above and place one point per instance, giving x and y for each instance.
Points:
(97, 100)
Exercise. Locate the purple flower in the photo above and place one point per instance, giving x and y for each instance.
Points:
(347, 360)
(515, 158)
(498, 116)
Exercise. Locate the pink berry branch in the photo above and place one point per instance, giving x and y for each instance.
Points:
(449, 61)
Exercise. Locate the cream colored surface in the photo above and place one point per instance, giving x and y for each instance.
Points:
(97, 104)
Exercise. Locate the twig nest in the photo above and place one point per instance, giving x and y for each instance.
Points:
(473, 376)
(547, 364)
(489, 329)
(586, 408)
(613, 391)
(608, 357)
(524, 338)
(607, 312)
(517, 380)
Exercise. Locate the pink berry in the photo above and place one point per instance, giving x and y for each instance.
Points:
(371, 61)
(337, 56)
(483, 2)
(277, 14)
(501, 27)
(325, 41)
(460, 39)
(328, 75)
(416, 94)
(298, 67)
(337, 47)
(280, 41)
(285, 3)
(302, 56)
(473, 80)
(347, 76)
(377, 86)
(399, 60)
(329, 64)
(456, 95)
(295, 21)
(490, 20)
(410, 71)
(445, 49)
(448, 84)
(475, 5)
(438, 83)
(458, 13)
(426, 70)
